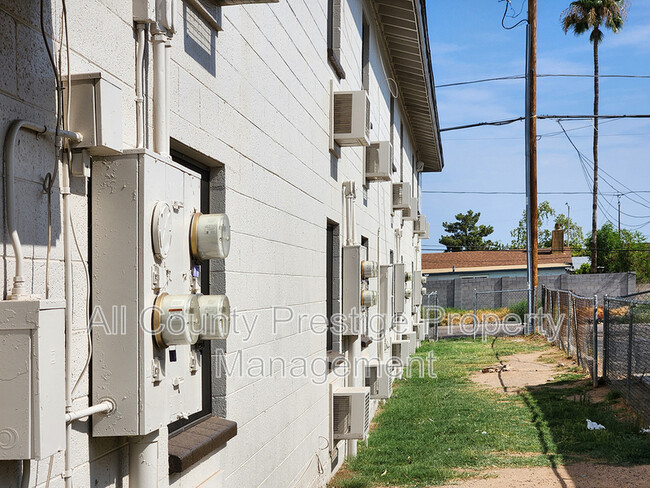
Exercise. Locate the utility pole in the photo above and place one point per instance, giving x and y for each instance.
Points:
(531, 152)
(619, 216)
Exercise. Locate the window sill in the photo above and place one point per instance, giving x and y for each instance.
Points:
(335, 63)
(190, 446)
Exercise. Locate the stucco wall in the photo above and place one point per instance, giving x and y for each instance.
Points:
(254, 99)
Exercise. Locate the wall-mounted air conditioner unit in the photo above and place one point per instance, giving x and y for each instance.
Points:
(351, 413)
(425, 233)
(379, 161)
(351, 112)
(400, 350)
(401, 196)
(379, 378)
(421, 330)
(398, 288)
(420, 225)
(412, 339)
(409, 213)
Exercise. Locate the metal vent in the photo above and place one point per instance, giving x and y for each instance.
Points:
(343, 113)
(341, 420)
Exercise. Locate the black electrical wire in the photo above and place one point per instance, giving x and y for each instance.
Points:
(505, 13)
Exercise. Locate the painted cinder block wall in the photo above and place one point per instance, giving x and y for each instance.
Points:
(253, 101)
(459, 292)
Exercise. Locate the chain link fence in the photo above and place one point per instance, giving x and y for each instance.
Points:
(571, 322)
(627, 350)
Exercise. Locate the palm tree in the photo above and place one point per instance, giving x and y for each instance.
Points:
(592, 15)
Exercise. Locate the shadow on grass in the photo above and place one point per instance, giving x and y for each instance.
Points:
(434, 430)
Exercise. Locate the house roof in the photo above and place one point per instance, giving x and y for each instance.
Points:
(404, 27)
(446, 262)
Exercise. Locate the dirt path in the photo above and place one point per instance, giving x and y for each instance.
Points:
(514, 373)
(573, 476)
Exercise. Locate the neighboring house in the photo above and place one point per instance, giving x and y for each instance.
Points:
(492, 264)
(212, 107)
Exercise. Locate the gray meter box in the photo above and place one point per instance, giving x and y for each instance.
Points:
(32, 375)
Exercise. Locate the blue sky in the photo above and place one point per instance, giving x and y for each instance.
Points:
(468, 43)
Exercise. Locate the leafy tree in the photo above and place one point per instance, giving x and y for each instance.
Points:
(547, 217)
(466, 235)
(584, 16)
(619, 254)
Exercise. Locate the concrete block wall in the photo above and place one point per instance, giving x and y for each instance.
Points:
(252, 102)
(459, 292)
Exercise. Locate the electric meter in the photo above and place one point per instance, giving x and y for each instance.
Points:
(368, 269)
(408, 293)
(368, 298)
(424, 280)
(161, 229)
(424, 291)
(408, 276)
(210, 236)
(215, 317)
(176, 320)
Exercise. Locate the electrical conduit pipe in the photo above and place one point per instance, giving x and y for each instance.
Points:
(19, 291)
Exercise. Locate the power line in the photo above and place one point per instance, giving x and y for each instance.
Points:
(521, 77)
(480, 192)
(548, 117)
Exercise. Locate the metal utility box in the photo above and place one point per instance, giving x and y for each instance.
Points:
(417, 290)
(386, 297)
(142, 214)
(399, 286)
(32, 369)
(96, 112)
(356, 297)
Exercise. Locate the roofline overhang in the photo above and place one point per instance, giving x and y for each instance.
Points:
(404, 24)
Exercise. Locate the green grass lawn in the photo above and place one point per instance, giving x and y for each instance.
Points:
(433, 430)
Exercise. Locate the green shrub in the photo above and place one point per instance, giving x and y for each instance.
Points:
(520, 309)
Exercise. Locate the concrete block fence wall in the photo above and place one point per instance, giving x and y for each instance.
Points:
(459, 292)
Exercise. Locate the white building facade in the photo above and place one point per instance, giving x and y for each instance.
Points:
(211, 107)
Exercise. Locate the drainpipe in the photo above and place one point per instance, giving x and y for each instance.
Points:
(139, 99)
(143, 461)
(160, 129)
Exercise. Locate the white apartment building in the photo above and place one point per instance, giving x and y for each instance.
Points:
(162, 155)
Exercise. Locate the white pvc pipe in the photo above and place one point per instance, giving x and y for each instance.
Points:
(19, 290)
(27, 472)
(139, 100)
(103, 407)
(143, 461)
(64, 188)
(168, 50)
(160, 132)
